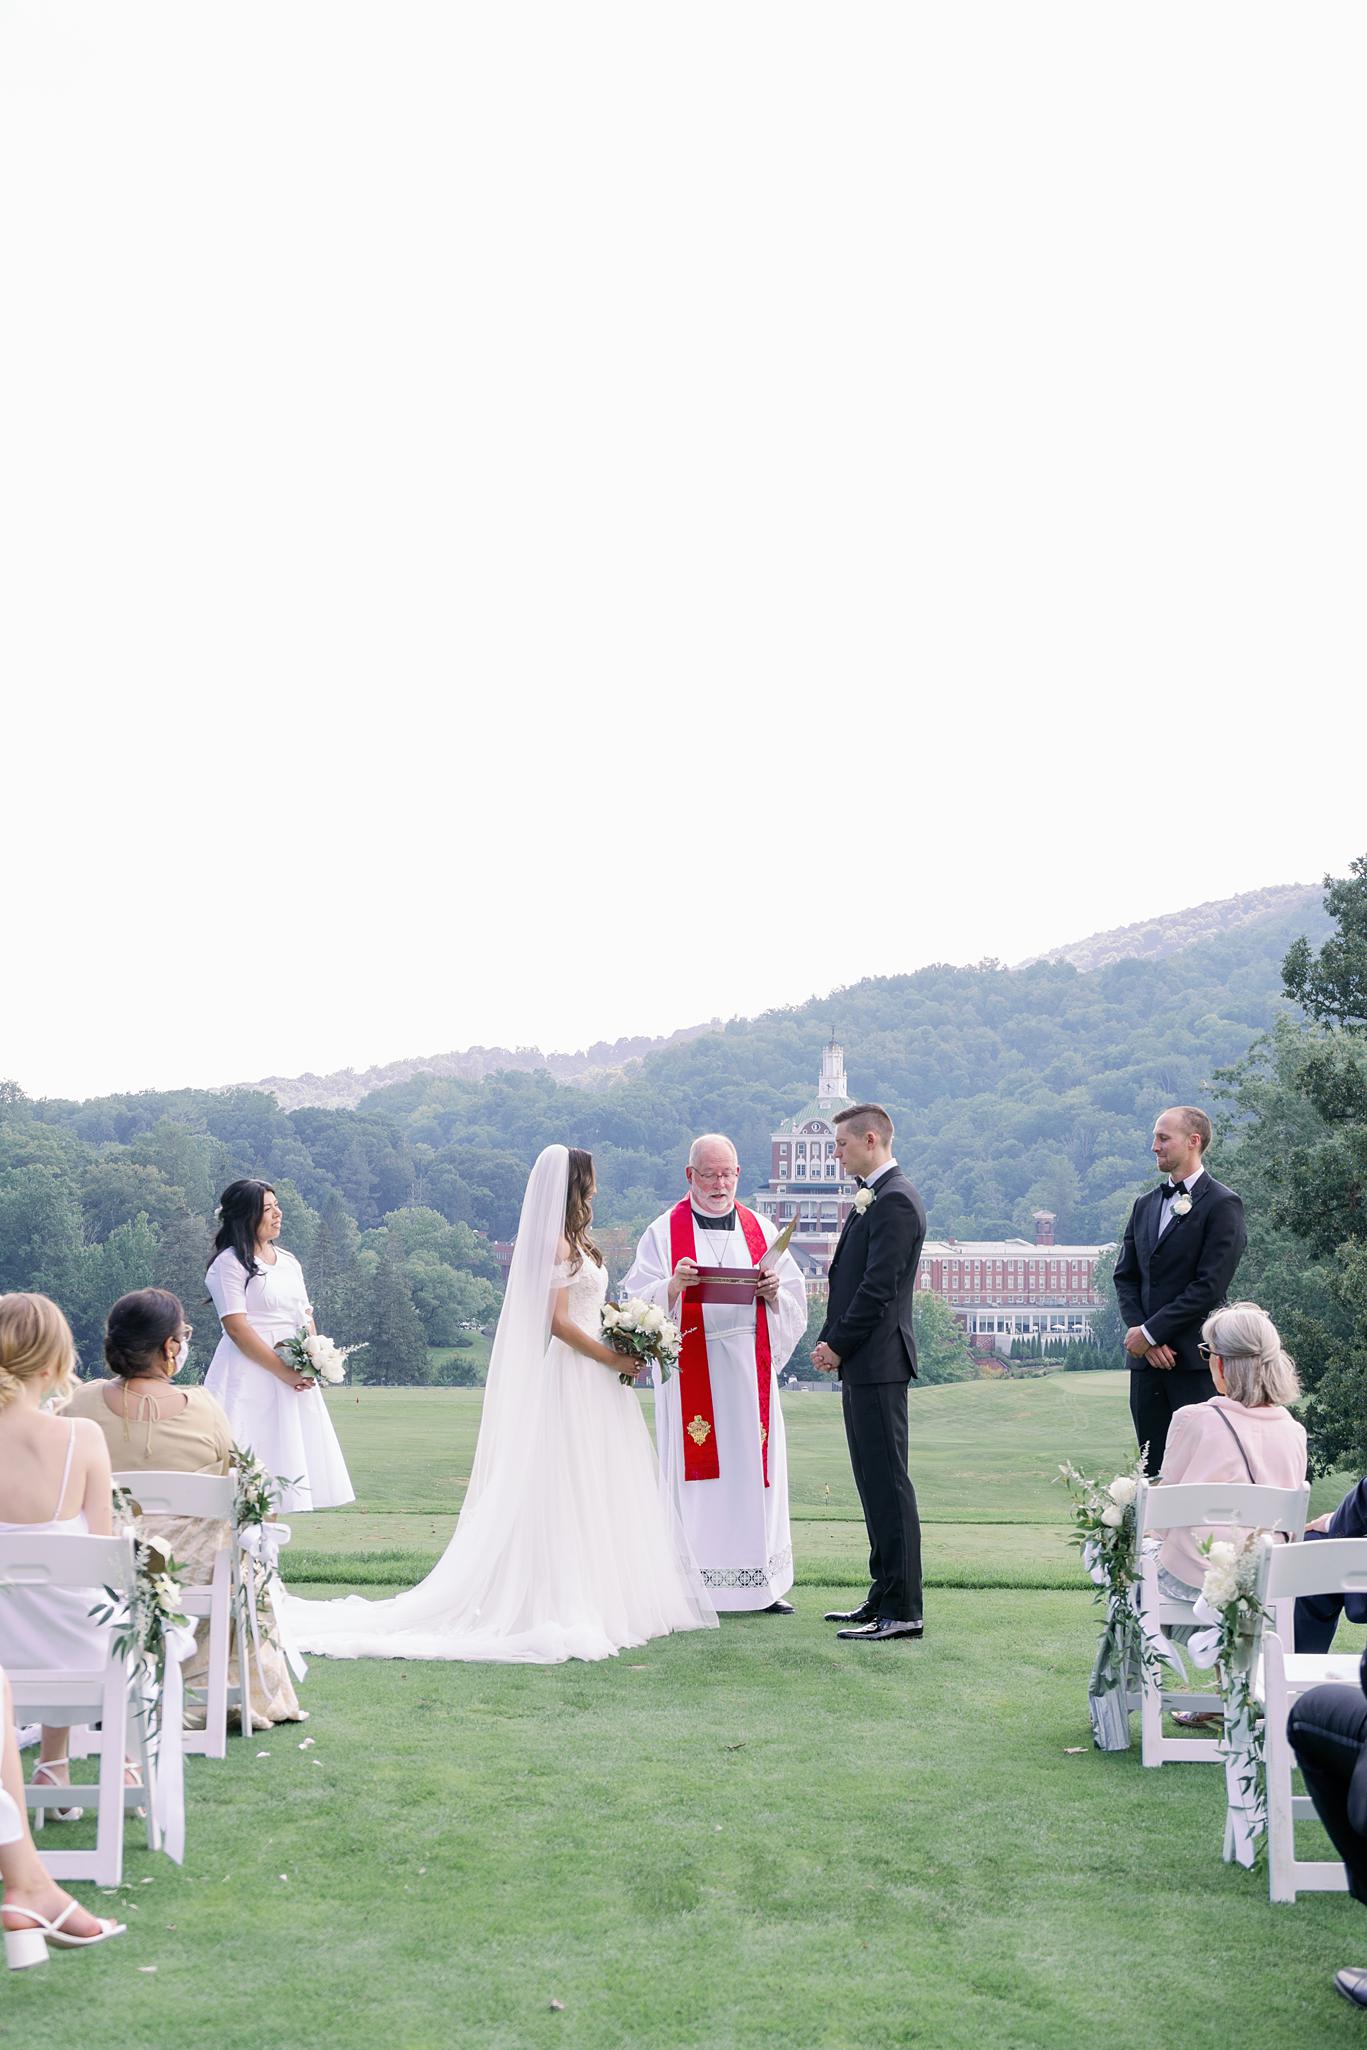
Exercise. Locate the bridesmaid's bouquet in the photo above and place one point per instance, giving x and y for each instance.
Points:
(644, 1334)
(318, 1357)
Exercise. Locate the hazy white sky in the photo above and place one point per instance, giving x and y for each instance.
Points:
(527, 523)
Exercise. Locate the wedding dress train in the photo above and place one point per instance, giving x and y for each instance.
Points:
(566, 1547)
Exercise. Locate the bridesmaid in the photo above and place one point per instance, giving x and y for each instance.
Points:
(259, 1292)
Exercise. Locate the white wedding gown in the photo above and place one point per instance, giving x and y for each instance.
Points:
(565, 1548)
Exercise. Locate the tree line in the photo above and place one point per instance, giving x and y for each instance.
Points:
(1012, 1090)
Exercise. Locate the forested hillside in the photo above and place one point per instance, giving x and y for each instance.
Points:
(1012, 1089)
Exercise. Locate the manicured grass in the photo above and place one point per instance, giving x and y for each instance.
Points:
(984, 1456)
(753, 1837)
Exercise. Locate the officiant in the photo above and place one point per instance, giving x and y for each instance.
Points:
(718, 1424)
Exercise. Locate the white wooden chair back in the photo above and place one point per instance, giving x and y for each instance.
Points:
(1243, 1505)
(1197, 1505)
(1327, 1566)
(74, 1563)
(212, 1496)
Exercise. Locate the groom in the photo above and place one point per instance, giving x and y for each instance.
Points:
(867, 1339)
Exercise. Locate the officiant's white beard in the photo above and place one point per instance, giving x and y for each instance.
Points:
(706, 1197)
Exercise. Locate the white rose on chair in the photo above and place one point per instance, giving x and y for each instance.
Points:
(1123, 1490)
(318, 1357)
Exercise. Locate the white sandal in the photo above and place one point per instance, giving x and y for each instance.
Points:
(48, 1766)
(25, 1947)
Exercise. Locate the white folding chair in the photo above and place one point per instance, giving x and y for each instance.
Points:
(1329, 1566)
(104, 1693)
(1194, 1506)
(211, 1496)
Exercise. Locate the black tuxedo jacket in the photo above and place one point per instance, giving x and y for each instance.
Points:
(873, 1284)
(1171, 1285)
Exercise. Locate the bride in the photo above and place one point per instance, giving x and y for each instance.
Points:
(565, 1547)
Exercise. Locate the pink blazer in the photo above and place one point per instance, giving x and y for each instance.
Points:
(1200, 1448)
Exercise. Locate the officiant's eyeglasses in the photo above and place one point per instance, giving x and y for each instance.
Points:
(719, 1174)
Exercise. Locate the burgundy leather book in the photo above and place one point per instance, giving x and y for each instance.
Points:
(725, 1285)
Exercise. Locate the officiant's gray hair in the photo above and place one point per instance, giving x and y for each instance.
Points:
(710, 1139)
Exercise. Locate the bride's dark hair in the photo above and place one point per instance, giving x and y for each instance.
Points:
(577, 1195)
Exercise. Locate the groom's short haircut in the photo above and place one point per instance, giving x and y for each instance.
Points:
(867, 1117)
(1194, 1121)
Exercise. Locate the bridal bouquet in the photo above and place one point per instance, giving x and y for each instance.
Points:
(1104, 1528)
(317, 1357)
(644, 1333)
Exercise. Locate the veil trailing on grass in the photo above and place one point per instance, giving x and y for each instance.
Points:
(562, 1549)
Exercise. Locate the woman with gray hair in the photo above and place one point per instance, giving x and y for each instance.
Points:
(1244, 1433)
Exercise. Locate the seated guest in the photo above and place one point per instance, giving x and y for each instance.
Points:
(54, 1476)
(1317, 1615)
(36, 1912)
(1327, 1730)
(1244, 1433)
(150, 1426)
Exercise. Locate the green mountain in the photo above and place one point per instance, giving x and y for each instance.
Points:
(1011, 1089)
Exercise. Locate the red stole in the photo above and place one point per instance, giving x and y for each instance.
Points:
(701, 1462)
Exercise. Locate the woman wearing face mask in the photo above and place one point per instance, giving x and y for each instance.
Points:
(261, 1297)
(151, 1426)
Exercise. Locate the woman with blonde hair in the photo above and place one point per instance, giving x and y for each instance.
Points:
(1245, 1432)
(54, 1476)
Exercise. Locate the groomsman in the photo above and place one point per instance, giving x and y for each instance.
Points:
(868, 1340)
(1182, 1245)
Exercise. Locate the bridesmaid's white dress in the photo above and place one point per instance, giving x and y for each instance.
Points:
(291, 1433)
(570, 1552)
(51, 1627)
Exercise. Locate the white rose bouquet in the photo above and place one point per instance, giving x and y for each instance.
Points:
(644, 1334)
(1104, 1528)
(318, 1357)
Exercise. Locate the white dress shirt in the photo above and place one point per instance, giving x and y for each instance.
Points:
(1165, 1219)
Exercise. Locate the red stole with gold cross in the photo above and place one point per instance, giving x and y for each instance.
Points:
(701, 1461)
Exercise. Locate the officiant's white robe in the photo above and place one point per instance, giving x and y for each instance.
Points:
(738, 1529)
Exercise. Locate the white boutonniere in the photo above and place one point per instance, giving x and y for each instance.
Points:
(1181, 1204)
(864, 1200)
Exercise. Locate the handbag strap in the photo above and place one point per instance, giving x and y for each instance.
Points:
(1240, 1443)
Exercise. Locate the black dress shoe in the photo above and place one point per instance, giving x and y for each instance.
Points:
(778, 1609)
(882, 1630)
(1352, 1984)
(863, 1614)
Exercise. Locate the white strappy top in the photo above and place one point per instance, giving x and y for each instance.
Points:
(58, 1523)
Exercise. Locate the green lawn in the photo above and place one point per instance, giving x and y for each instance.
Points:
(756, 1837)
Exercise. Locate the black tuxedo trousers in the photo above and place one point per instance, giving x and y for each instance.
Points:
(875, 1414)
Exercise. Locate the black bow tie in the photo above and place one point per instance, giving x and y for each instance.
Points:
(726, 1223)
(859, 1182)
(1171, 1189)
